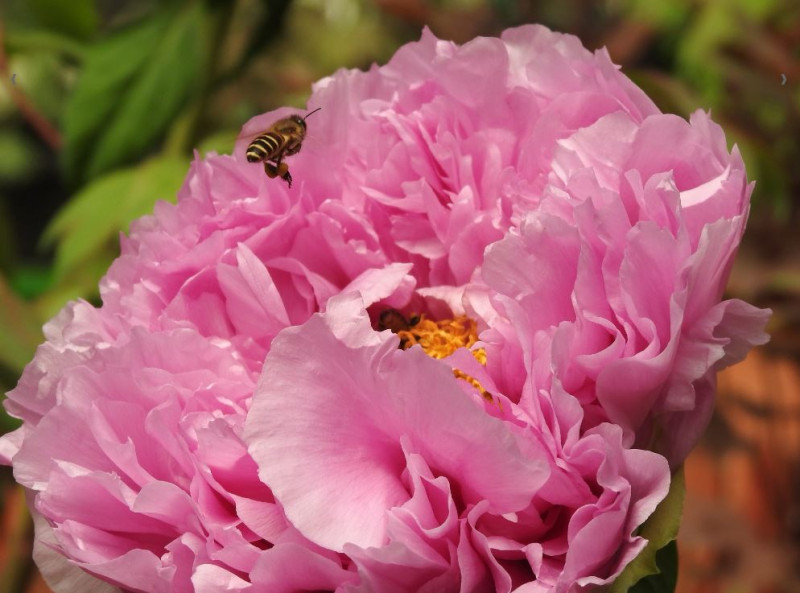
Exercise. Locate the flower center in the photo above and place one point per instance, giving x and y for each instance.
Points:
(439, 339)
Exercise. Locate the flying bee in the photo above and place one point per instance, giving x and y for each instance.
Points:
(283, 138)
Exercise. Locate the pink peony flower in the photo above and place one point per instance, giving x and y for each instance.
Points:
(382, 454)
(234, 419)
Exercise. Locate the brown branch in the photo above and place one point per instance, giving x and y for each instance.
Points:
(43, 127)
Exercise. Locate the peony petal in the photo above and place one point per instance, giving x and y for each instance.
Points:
(61, 574)
(289, 567)
(344, 419)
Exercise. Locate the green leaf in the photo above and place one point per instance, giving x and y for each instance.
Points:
(133, 85)
(76, 18)
(20, 330)
(157, 96)
(97, 214)
(30, 280)
(660, 530)
(24, 40)
(667, 577)
(108, 70)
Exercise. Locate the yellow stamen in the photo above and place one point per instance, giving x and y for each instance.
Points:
(440, 339)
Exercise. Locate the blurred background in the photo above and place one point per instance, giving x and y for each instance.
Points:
(103, 101)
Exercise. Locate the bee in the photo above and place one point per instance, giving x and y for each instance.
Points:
(394, 320)
(283, 138)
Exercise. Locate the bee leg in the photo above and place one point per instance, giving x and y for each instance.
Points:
(278, 169)
(283, 171)
(270, 169)
(293, 148)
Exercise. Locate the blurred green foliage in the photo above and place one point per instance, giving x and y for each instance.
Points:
(131, 88)
(109, 99)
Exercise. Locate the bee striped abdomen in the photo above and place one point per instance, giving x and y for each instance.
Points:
(264, 147)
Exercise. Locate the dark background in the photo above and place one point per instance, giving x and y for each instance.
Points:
(97, 93)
